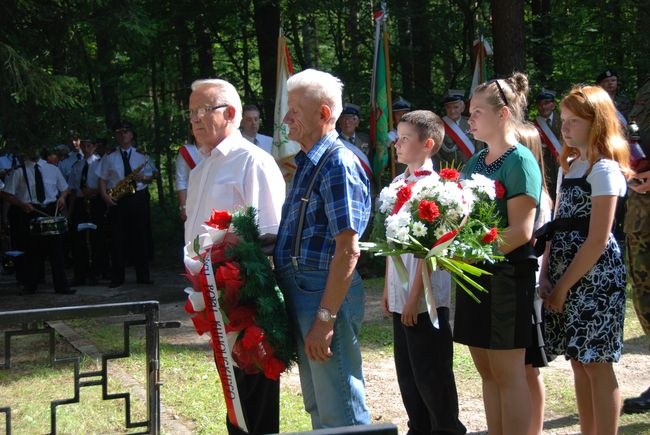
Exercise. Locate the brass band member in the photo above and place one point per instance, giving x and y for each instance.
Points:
(128, 216)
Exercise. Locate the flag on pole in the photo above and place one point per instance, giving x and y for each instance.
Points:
(379, 95)
(482, 49)
(283, 149)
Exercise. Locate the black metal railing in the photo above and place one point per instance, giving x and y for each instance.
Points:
(37, 322)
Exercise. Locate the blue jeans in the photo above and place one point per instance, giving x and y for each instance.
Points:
(333, 391)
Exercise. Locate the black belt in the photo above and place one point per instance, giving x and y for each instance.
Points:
(545, 232)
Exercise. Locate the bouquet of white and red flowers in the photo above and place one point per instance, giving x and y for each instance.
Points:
(451, 223)
(234, 298)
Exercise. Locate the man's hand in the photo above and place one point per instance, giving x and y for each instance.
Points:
(318, 340)
(384, 301)
(642, 185)
(268, 243)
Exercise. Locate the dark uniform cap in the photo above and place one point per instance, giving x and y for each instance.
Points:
(605, 74)
(453, 95)
(350, 109)
(545, 94)
(401, 104)
(123, 125)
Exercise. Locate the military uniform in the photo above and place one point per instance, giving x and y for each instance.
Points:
(450, 155)
(637, 242)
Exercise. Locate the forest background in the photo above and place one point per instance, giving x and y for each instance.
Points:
(79, 65)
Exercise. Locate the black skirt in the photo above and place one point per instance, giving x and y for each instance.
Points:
(502, 319)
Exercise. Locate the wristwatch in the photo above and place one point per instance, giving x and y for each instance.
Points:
(325, 315)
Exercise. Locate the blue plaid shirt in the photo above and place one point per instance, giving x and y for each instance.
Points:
(340, 201)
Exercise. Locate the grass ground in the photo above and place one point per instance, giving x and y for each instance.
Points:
(192, 394)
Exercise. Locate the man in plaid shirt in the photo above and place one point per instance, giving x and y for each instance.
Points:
(317, 251)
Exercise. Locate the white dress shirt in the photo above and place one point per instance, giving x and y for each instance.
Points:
(183, 169)
(53, 183)
(111, 167)
(77, 169)
(236, 174)
(398, 291)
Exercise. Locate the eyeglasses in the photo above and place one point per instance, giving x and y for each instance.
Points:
(501, 93)
(200, 113)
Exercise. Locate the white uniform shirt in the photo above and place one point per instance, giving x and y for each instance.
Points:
(235, 175)
(65, 165)
(262, 141)
(398, 292)
(183, 169)
(111, 168)
(77, 169)
(53, 182)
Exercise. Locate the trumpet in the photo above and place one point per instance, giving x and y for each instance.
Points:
(126, 185)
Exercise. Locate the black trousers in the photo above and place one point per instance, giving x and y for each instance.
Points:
(424, 364)
(38, 249)
(19, 234)
(89, 248)
(260, 397)
(128, 221)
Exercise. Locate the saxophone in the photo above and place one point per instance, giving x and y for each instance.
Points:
(126, 185)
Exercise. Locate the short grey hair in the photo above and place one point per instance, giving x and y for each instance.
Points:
(321, 86)
(226, 94)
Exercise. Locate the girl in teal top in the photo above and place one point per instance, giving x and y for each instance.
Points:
(498, 329)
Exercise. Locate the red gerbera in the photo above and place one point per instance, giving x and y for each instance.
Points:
(490, 236)
(449, 174)
(500, 189)
(428, 210)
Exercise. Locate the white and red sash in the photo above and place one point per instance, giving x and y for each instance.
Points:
(221, 347)
(187, 156)
(548, 137)
(453, 130)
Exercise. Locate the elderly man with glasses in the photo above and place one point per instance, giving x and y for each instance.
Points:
(234, 174)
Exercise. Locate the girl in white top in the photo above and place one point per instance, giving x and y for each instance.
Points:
(583, 272)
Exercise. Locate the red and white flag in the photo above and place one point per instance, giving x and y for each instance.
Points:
(284, 149)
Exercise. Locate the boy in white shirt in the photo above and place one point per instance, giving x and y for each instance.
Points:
(423, 354)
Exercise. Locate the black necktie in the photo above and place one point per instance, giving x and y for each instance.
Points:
(79, 155)
(84, 175)
(549, 122)
(40, 188)
(127, 165)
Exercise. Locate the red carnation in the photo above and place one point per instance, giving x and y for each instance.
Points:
(490, 236)
(449, 174)
(403, 195)
(446, 237)
(421, 173)
(499, 189)
(428, 210)
(228, 280)
(219, 219)
(253, 335)
(273, 367)
(240, 318)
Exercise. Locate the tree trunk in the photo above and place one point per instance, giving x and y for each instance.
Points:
(404, 49)
(267, 27)
(542, 42)
(508, 35)
(204, 48)
(422, 52)
(107, 78)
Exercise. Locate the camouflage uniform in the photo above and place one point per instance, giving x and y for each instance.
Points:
(637, 222)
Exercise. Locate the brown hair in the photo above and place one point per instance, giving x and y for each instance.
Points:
(529, 136)
(510, 92)
(606, 139)
(428, 125)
